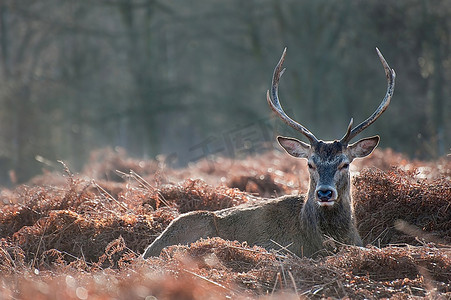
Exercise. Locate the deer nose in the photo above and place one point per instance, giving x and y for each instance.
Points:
(324, 194)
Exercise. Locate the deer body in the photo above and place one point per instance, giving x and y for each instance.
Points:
(299, 223)
(284, 221)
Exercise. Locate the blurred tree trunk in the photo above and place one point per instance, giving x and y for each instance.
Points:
(436, 46)
(4, 38)
(141, 122)
(439, 97)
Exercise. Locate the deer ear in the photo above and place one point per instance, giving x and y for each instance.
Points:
(363, 147)
(294, 147)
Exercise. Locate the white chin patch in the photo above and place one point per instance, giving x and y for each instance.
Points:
(326, 203)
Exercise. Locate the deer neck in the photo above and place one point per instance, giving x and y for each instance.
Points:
(332, 221)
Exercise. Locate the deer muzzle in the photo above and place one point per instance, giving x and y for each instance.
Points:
(326, 195)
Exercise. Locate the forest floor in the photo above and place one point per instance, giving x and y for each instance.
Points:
(80, 236)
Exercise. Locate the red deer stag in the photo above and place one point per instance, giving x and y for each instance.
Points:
(301, 223)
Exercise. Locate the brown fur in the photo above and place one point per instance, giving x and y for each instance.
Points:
(285, 221)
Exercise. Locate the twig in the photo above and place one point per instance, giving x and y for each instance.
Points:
(416, 232)
(39, 244)
(77, 258)
(104, 192)
(284, 248)
(257, 251)
(275, 284)
(144, 184)
(10, 259)
(208, 280)
(294, 283)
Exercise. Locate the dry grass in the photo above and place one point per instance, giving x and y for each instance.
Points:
(391, 205)
(67, 236)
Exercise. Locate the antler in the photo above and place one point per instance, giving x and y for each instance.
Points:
(391, 75)
(274, 103)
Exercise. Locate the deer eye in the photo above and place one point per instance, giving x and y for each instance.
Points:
(344, 166)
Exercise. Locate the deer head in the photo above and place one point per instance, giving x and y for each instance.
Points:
(329, 161)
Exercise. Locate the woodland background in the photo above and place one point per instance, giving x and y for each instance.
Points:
(189, 80)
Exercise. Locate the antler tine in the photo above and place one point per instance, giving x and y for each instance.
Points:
(274, 103)
(391, 75)
(348, 131)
